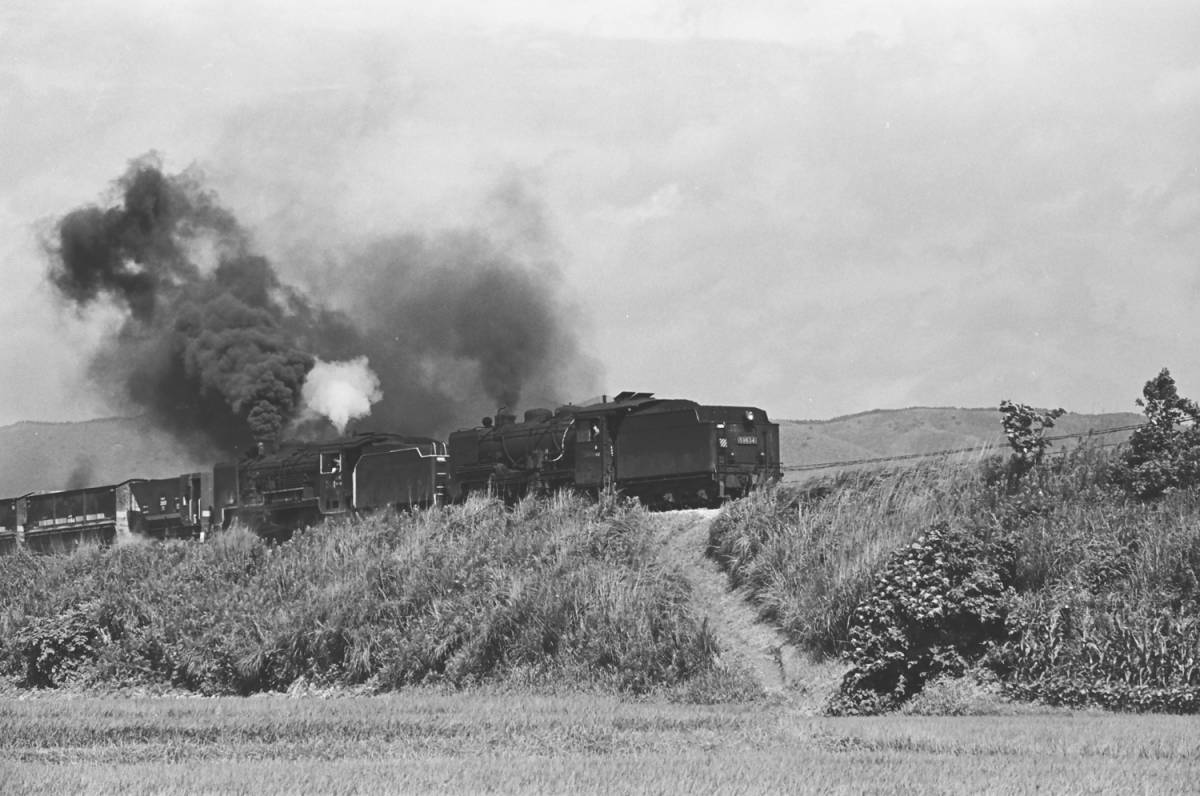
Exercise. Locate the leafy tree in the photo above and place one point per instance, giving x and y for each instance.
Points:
(1025, 428)
(1164, 454)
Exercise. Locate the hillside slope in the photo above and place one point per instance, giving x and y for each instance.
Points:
(897, 432)
(52, 456)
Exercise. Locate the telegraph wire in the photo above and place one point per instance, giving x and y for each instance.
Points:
(951, 451)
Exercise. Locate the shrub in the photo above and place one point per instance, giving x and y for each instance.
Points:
(54, 648)
(977, 692)
(1163, 454)
(1025, 429)
(938, 606)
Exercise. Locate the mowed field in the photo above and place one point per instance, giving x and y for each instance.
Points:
(423, 741)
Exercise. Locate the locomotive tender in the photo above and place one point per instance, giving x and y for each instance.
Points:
(666, 452)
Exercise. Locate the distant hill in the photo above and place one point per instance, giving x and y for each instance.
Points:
(50, 456)
(897, 432)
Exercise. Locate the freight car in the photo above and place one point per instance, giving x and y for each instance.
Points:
(146, 508)
(273, 492)
(666, 452)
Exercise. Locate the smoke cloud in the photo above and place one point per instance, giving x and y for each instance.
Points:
(81, 474)
(215, 347)
(341, 391)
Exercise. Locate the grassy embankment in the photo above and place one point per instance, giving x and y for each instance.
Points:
(547, 594)
(1054, 584)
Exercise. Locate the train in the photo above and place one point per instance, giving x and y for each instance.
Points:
(668, 453)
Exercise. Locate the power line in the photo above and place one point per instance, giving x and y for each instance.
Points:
(950, 451)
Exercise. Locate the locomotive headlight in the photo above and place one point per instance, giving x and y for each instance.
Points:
(749, 415)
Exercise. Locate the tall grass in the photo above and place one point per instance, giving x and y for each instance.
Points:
(546, 590)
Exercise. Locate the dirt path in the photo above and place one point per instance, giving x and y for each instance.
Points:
(764, 651)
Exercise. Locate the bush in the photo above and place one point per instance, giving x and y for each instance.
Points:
(1025, 429)
(1164, 455)
(977, 692)
(54, 648)
(937, 607)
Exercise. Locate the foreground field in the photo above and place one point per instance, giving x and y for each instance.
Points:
(428, 742)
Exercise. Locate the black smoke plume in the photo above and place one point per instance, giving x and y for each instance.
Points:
(215, 346)
(81, 474)
(204, 353)
(455, 310)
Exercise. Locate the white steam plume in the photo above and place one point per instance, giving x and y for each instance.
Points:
(341, 391)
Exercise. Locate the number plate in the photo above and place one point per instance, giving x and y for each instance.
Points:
(747, 440)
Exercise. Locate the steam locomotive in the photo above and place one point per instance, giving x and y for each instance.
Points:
(666, 452)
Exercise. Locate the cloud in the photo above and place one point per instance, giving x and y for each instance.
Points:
(1178, 88)
(816, 207)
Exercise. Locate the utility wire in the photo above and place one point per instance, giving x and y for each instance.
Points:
(950, 451)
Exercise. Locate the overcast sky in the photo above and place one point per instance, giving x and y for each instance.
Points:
(816, 207)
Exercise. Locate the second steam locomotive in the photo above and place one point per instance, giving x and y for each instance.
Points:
(666, 452)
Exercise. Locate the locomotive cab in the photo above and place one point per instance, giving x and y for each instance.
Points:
(593, 453)
(332, 487)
